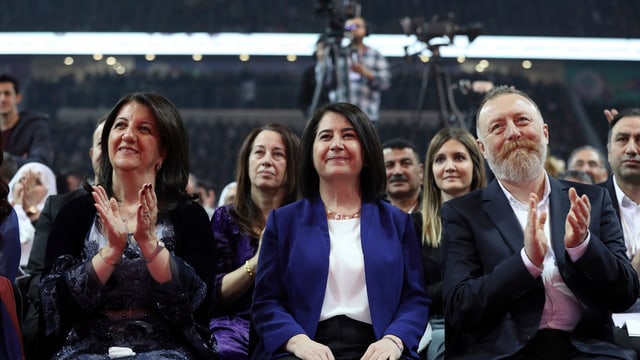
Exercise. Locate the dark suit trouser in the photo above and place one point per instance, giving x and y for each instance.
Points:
(347, 338)
(623, 339)
(553, 344)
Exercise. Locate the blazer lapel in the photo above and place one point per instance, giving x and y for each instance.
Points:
(499, 210)
(612, 194)
(366, 223)
(559, 206)
(321, 226)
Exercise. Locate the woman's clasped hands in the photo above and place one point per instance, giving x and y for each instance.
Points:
(305, 348)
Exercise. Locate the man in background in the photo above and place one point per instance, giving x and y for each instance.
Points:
(404, 174)
(25, 134)
(623, 145)
(590, 160)
(368, 70)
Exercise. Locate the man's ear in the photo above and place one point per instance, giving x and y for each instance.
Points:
(481, 147)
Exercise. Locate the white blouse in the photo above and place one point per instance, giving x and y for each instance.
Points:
(346, 292)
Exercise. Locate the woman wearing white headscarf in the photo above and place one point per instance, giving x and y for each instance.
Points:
(28, 190)
(228, 194)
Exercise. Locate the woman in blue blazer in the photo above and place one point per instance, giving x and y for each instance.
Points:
(339, 274)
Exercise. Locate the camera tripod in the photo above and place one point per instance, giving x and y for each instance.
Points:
(449, 114)
(333, 73)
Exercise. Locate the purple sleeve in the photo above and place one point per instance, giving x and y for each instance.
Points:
(233, 248)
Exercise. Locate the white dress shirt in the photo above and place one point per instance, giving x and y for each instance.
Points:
(562, 309)
(630, 219)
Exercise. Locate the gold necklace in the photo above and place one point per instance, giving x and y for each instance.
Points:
(332, 215)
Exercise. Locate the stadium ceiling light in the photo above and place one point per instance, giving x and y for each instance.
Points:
(281, 44)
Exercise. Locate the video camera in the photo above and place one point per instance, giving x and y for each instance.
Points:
(337, 13)
(437, 27)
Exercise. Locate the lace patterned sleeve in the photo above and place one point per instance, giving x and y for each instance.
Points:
(177, 299)
(70, 286)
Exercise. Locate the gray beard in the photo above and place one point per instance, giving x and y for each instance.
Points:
(520, 168)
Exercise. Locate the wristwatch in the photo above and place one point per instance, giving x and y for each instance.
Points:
(154, 255)
(31, 210)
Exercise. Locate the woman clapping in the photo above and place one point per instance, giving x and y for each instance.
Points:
(129, 266)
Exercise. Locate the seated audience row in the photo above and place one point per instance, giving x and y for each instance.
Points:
(134, 274)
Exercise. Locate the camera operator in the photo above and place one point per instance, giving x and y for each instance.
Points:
(368, 70)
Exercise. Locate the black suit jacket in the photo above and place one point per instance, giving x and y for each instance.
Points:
(493, 305)
(32, 326)
(612, 194)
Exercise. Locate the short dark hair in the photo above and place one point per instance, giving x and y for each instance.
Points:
(8, 78)
(601, 156)
(373, 175)
(624, 113)
(171, 179)
(399, 144)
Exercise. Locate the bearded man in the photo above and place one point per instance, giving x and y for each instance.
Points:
(534, 267)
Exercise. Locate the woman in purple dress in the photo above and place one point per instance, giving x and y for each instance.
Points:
(266, 180)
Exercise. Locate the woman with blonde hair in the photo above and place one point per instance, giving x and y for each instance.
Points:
(453, 167)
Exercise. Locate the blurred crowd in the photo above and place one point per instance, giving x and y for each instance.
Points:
(213, 135)
(591, 18)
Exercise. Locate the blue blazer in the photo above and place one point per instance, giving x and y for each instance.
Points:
(493, 305)
(293, 270)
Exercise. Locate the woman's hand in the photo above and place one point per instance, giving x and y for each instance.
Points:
(609, 114)
(23, 191)
(306, 349)
(253, 262)
(114, 227)
(384, 349)
(29, 196)
(147, 215)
